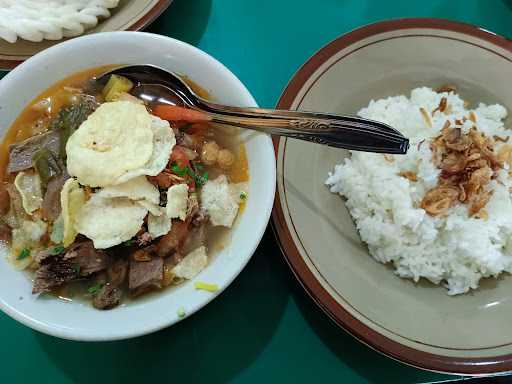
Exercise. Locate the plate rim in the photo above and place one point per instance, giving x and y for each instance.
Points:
(139, 24)
(334, 310)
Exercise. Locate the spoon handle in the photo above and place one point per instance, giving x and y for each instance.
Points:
(333, 130)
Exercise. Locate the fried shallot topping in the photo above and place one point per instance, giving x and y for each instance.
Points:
(502, 139)
(442, 106)
(426, 116)
(409, 175)
(439, 199)
(389, 158)
(447, 88)
(468, 163)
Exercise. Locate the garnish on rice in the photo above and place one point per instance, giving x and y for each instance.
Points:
(468, 162)
(443, 212)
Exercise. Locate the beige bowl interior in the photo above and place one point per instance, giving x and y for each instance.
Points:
(421, 316)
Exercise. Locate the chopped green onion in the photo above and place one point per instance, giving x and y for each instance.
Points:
(206, 287)
(243, 195)
(57, 250)
(95, 288)
(176, 169)
(199, 179)
(181, 313)
(25, 252)
(205, 177)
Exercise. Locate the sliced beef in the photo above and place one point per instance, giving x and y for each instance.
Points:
(5, 200)
(108, 297)
(200, 218)
(5, 233)
(180, 230)
(145, 275)
(51, 202)
(20, 154)
(43, 254)
(89, 259)
(53, 273)
(79, 260)
(144, 254)
(173, 241)
(99, 278)
(117, 272)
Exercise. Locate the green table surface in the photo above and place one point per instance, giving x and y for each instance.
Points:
(263, 328)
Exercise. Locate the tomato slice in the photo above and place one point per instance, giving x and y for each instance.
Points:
(174, 113)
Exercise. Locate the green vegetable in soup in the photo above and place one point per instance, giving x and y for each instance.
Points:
(69, 120)
(57, 234)
(95, 288)
(25, 252)
(115, 86)
(47, 166)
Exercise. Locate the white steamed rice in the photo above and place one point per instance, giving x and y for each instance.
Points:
(455, 250)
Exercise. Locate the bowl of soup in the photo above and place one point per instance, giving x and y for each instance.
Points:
(113, 207)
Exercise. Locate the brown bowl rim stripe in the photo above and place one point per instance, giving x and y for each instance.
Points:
(335, 311)
(298, 103)
(137, 25)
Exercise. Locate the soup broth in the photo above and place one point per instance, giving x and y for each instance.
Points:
(193, 137)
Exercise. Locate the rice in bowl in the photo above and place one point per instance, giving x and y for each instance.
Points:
(385, 194)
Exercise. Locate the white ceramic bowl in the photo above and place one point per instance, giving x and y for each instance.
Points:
(79, 321)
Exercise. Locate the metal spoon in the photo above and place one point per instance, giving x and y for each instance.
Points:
(157, 86)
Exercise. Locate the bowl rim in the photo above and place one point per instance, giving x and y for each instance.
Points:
(251, 244)
(138, 24)
(334, 310)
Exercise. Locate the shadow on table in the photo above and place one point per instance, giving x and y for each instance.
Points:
(184, 20)
(212, 346)
(508, 3)
(371, 365)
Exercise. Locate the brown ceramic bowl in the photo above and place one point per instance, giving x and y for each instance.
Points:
(130, 15)
(418, 324)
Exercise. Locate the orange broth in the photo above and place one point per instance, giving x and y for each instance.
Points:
(23, 126)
